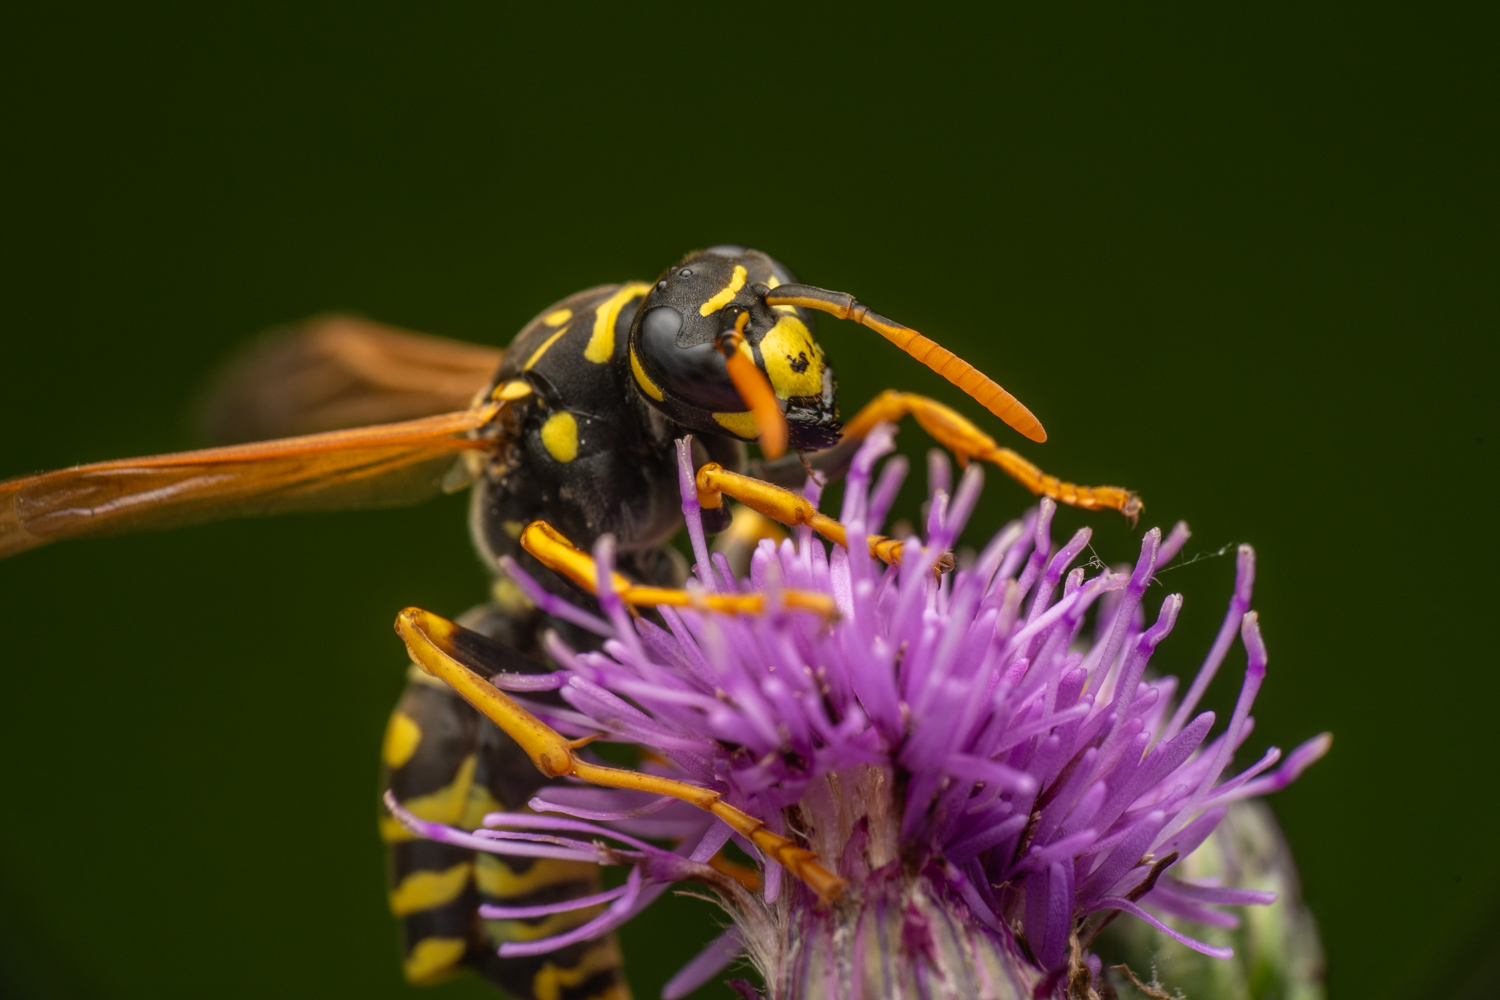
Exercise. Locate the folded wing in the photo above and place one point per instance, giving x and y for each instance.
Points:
(332, 372)
(385, 465)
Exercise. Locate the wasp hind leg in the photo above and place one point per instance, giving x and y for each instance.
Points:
(447, 651)
(446, 763)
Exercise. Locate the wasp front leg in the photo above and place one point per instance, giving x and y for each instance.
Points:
(793, 510)
(967, 442)
(553, 550)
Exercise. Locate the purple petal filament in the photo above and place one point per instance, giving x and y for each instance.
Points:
(1041, 775)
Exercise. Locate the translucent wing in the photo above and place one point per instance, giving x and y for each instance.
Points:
(332, 372)
(386, 465)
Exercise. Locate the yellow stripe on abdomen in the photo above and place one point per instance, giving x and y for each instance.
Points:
(402, 734)
(446, 805)
(425, 890)
(550, 980)
(496, 878)
(433, 960)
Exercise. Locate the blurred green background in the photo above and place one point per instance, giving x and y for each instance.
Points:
(1245, 264)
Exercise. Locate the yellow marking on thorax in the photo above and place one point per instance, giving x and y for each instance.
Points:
(512, 390)
(725, 295)
(446, 805)
(550, 980)
(433, 960)
(402, 734)
(536, 355)
(560, 436)
(787, 342)
(426, 890)
(642, 379)
(601, 346)
(742, 424)
(557, 317)
(496, 878)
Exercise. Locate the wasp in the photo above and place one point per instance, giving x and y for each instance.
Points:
(566, 435)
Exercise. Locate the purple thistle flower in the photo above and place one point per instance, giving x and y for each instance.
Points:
(994, 785)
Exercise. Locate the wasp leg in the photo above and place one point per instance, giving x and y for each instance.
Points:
(445, 763)
(954, 432)
(439, 647)
(791, 471)
(792, 509)
(554, 551)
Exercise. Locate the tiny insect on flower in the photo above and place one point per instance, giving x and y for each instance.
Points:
(988, 786)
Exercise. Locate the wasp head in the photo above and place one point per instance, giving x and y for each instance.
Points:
(677, 348)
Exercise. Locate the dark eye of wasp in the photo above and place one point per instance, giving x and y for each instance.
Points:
(694, 373)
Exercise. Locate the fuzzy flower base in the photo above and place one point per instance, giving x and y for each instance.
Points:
(981, 754)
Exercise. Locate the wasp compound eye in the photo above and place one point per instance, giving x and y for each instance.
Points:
(661, 326)
(695, 374)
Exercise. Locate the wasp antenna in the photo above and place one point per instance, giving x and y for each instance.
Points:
(754, 388)
(979, 386)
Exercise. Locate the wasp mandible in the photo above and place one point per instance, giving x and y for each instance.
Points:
(565, 436)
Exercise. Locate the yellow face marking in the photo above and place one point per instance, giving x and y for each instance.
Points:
(536, 355)
(557, 317)
(786, 348)
(725, 295)
(601, 346)
(560, 436)
(550, 980)
(434, 959)
(427, 890)
(642, 379)
(514, 389)
(402, 734)
(446, 805)
(742, 424)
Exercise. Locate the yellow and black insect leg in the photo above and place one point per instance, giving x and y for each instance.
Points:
(967, 442)
(447, 763)
(789, 508)
(447, 650)
(960, 436)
